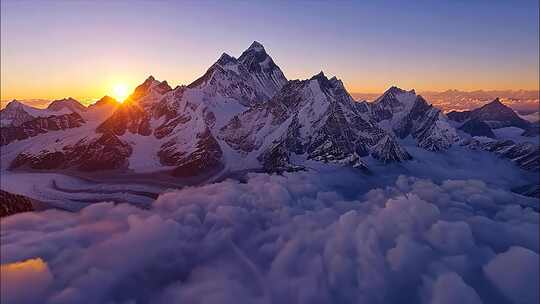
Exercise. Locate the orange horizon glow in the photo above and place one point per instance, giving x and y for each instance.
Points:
(87, 94)
(82, 57)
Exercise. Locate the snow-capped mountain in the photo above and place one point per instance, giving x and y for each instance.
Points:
(148, 93)
(20, 121)
(492, 116)
(17, 113)
(242, 114)
(495, 114)
(404, 113)
(315, 118)
(39, 125)
(252, 78)
(101, 109)
(526, 155)
(66, 103)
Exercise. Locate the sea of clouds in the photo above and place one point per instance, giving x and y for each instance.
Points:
(282, 239)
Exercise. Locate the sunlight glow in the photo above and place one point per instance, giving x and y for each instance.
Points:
(120, 92)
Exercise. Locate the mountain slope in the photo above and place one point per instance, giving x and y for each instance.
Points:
(315, 118)
(476, 127)
(17, 113)
(252, 78)
(20, 121)
(495, 114)
(525, 155)
(67, 103)
(241, 115)
(406, 114)
(180, 123)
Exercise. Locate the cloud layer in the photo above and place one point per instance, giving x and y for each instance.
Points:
(281, 239)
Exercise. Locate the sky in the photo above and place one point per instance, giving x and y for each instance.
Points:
(83, 49)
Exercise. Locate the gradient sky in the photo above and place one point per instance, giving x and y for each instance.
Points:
(53, 49)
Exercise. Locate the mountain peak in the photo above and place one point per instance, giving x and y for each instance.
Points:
(319, 75)
(496, 104)
(14, 104)
(256, 46)
(497, 101)
(225, 59)
(66, 103)
(150, 79)
(105, 100)
(394, 90)
(255, 53)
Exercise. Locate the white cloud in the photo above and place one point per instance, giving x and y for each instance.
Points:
(515, 273)
(276, 239)
(449, 288)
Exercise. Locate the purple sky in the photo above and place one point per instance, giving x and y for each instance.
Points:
(53, 49)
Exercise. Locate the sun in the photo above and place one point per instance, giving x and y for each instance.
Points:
(120, 92)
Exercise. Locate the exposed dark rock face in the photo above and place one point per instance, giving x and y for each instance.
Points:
(388, 150)
(205, 158)
(476, 127)
(459, 116)
(38, 126)
(495, 114)
(316, 118)
(127, 117)
(525, 155)
(251, 79)
(406, 114)
(243, 114)
(103, 153)
(13, 203)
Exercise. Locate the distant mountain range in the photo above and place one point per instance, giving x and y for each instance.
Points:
(523, 101)
(243, 114)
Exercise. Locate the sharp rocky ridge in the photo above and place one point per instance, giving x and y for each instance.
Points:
(244, 114)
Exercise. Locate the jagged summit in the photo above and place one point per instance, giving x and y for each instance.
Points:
(67, 103)
(256, 46)
(250, 79)
(395, 99)
(319, 75)
(394, 91)
(225, 59)
(406, 114)
(242, 114)
(329, 84)
(388, 150)
(148, 92)
(496, 103)
(14, 104)
(495, 114)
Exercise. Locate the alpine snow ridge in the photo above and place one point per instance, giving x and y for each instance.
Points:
(495, 114)
(20, 121)
(404, 113)
(315, 118)
(487, 127)
(242, 114)
(250, 79)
